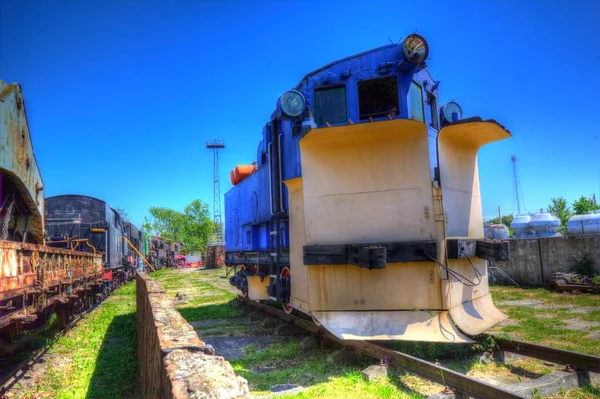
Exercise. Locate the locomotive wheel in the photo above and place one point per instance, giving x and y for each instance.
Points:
(286, 308)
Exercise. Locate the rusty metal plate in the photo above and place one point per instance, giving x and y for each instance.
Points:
(22, 265)
(17, 160)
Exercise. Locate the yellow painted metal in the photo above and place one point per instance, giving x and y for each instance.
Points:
(400, 286)
(299, 281)
(372, 183)
(458, 146)
(471, 307)
(257, 290)
(368, 183)
(476, 316)
(400, 325)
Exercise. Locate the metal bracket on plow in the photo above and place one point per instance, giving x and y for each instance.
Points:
(495, 250)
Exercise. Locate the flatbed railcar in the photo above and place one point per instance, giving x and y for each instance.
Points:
(35, 280)
(363, 209)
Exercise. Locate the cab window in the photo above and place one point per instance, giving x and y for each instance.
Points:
(416, 102)
(431, 101)
(378, 98)
(330, 105)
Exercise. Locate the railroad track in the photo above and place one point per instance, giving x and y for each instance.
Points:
(7, 380)
(454, 382)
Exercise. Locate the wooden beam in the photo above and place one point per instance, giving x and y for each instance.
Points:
(370, 256)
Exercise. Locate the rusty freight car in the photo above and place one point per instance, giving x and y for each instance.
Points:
(35, 280)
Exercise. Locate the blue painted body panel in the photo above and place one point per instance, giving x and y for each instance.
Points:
(247, 230)
(247, 204)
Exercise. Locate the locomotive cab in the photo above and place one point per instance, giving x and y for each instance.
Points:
(379, 196)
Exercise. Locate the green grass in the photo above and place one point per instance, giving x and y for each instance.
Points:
(305, 368)
(548, 326)
(312, 370)
(207, 294)
(97, 358)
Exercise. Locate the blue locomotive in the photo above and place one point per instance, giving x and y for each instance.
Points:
(362, 208)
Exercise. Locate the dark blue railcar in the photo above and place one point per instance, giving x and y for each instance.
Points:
(91, 225)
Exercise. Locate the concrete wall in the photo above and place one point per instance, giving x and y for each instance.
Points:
(534, 260)
(172, 361)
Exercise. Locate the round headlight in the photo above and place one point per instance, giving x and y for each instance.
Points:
(452, 111)
(416, 49)
(292, 103)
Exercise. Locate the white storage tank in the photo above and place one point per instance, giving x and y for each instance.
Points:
(497, 232)
(584, 224)
(544, 224)
(520, 226)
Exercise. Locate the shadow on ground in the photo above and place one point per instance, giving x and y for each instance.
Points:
(116, 364)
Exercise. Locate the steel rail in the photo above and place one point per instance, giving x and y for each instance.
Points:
(431, 371)
(576, 360)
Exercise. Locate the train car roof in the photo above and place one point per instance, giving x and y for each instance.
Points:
(331, 64)
(77, 195)
(90, 197)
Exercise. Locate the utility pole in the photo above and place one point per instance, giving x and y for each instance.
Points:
(499, 215)
(513, 158)
(216, 145)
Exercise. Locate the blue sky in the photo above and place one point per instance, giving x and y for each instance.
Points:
(123, 95)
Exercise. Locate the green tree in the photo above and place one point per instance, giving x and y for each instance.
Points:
(193, 227)
(583, 205)
(165, 222)
(561, 209)
(506, 219)
(198, 226)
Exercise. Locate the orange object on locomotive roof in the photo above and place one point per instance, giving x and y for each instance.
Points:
(240, 172)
